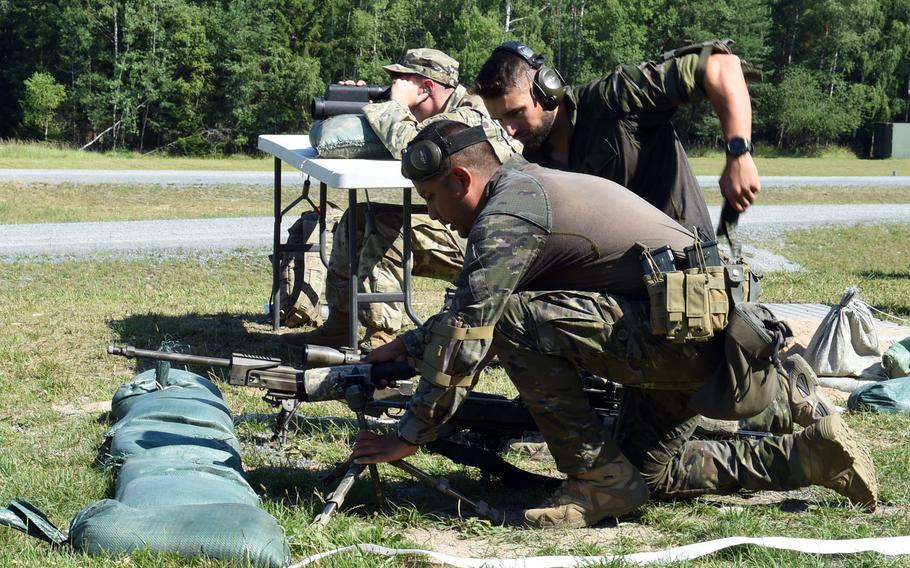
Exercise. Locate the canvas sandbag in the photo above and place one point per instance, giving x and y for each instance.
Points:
(148, 381)
(896, 360)
(748, 380)
(140, 436)
(347, 136)
(227, 531)
(846, 342)
(144, 482)
(892, 396)
(180, 486)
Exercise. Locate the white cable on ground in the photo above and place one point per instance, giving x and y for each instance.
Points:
(890, 546)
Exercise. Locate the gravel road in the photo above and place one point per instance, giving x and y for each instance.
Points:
(134, 238)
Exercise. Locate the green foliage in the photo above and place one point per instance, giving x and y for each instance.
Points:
(43, 95)
(193, 77)
(807, 113)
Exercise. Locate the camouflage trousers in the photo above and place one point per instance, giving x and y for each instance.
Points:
(544, 339)
(437, 252)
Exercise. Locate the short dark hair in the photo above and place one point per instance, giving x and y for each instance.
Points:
(476, 155)
(501, 71)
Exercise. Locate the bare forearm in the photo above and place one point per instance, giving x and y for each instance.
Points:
(726, 89)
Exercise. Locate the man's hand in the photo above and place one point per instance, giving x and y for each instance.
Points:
(358, 83)
(739, 181)
(391, 351)
(407, 92)
(371, 448)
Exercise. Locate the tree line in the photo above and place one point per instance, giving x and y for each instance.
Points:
(201, 77)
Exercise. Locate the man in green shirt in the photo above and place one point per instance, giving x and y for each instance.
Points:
(619, 128)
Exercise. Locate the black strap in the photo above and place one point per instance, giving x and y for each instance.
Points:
(726, 227)
(23, 516)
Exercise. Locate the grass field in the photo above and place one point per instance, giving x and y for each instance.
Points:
(15, 154)
(67, 202)
(56, 318)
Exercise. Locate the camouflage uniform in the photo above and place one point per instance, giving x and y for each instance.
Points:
(622, 131)
(437, 250)
(560, 279)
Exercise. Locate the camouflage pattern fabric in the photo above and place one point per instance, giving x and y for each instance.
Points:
(437, 252)
(536, 233)
(431, 63)
(622, 131)
(302, 275)
(544, 339)
(395, 126)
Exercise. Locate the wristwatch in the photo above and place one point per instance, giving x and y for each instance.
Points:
(738, 146)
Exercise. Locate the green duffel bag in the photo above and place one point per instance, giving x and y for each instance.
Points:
(141, 436)
(238, 534)
(146, 382)
(347, 136)
(886, 396)
(153, 482)
(896, 360)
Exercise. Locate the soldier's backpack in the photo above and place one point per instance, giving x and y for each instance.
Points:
(301, 277)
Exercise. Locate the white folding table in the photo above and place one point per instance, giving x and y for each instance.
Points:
(353, 175)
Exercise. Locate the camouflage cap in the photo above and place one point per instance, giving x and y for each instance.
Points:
(431, 63)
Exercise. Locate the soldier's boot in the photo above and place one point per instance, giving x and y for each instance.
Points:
(332, 333)
(808, 404)
(829, 454)
(587, 498)
(374, 338)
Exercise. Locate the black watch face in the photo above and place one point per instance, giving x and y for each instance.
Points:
(737, 146)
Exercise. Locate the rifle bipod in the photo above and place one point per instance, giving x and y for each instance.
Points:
(357, 398)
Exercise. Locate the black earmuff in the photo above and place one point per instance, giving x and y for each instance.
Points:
(548, 85)
(422, 160)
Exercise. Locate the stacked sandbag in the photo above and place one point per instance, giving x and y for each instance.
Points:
(896, 360)
(347, 136)
(179, 487)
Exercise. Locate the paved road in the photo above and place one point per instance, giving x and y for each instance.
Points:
(266, 178)
(138, 237)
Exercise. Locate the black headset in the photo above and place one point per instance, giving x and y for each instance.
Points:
(548, 85)
(422, 160)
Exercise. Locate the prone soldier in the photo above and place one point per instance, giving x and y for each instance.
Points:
(552, 282)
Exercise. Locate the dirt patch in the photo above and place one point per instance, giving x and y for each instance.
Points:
(519, 544)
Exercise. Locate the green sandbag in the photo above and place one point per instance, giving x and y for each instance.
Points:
(896, 359)
(347, 136)
(886, 396)
(145, 483)
(145, 383)
(226, 531)
(137, 437)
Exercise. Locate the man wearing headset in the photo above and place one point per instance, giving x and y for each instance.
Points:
(532, 289)
(424, 84)
(619, 127)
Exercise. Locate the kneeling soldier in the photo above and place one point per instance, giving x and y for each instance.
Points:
(552, 282)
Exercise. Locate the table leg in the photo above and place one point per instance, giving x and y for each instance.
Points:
(276, 250)
(406, 261)
(353, 276)
(323, 209)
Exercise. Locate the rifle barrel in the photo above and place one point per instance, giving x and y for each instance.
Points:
(131, 352)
